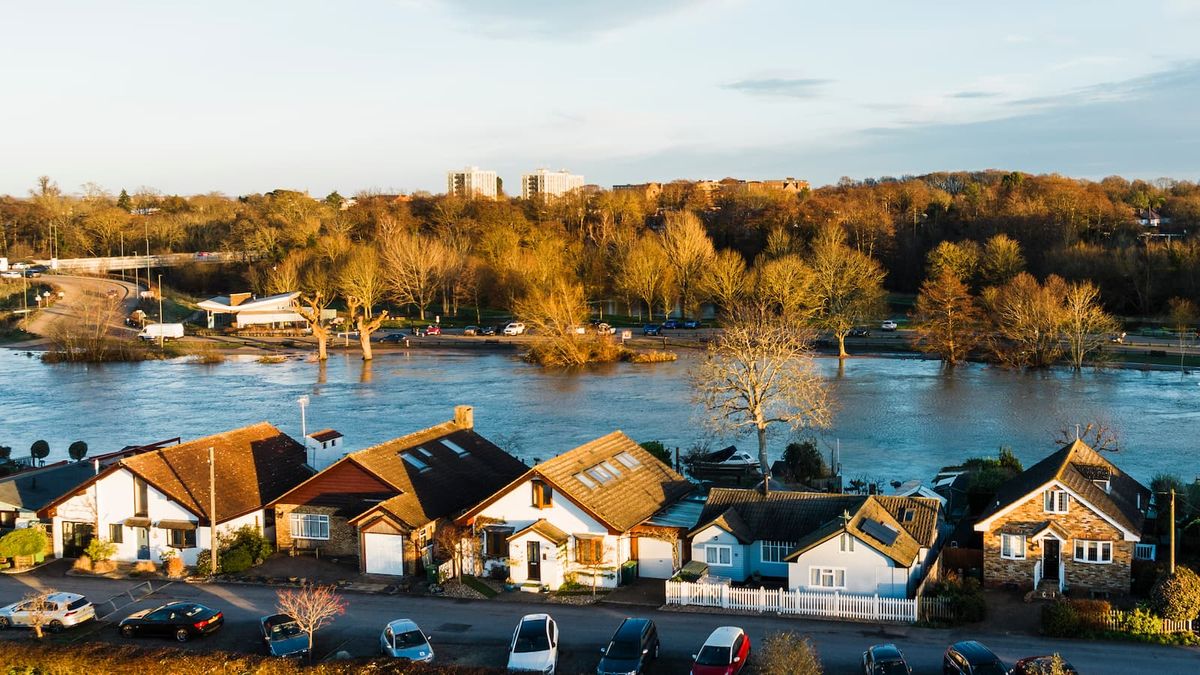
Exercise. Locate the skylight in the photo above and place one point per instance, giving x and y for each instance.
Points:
(458, 449)
(425, 453)
(416, 462)
(611, 469)
(601, 474)
(628, 460)
(582, 478)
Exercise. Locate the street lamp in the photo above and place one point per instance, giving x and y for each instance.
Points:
(303, 401)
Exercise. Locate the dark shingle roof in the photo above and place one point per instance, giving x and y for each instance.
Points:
(254, 465)
(32, 490)
(633, 496)
(1072, 466)
(437, 481)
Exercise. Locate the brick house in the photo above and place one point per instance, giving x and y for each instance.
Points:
(383, 505)
(1073, 520)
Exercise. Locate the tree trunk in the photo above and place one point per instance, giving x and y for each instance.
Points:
(364, 339)
(842, 346)
(322, 352)
(763, 462)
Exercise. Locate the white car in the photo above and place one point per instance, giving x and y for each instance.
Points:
(888, 325)
(11, 274)
(515, 328)
(403, 639)
(534, 647)
(61, 610)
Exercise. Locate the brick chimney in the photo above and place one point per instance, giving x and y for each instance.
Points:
(464, 416)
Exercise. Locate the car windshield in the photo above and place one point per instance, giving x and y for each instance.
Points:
(285, 630)
(623, 649)
(411, 638)
(713, 656)
(531, 637)
(890, 668)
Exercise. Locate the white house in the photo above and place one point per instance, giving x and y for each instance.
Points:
(240, 310)
(577, 517)
(161, 500)
(818, 541)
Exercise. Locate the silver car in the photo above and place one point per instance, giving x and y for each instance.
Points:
(403, 639)
(58, 610)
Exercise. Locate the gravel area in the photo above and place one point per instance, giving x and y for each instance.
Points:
(455, 589)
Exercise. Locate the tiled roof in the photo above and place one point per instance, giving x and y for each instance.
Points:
(254, 465)
(546, 529)
(31, 490)
(1072, 465)
(448, 469)
(634, 495)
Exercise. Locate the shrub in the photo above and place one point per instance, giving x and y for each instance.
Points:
(787, 653)
(203, 562)
(30, 541)
(1140, 622)
(804, 460)
(100, 550)
(145, 567)
(1059, 619)
(660, 451)
(82, 564)
(1175, 596)
(1092, 615)
(251, 540)
(964, 595)
(235, 560)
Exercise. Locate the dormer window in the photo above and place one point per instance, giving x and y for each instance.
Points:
(1056, 501)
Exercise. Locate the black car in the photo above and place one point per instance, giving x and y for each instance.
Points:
(1042, 665)
(859, 332)
(691, 324)
(670, 324)
(652, 329)
(392, 338)
(180, 620)
(885, 660)
(971, 658)
(486, 330)
(283, 636)
(631, 647)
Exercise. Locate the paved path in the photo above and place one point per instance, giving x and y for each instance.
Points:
(484, 627)
(76, 291)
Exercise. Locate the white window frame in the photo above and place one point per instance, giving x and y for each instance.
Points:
(1055, 500)
(1012, 554)
(718, 549)
(775, 551)
(302, 526)
(846, 543)
(1088, 545)
(820, 574)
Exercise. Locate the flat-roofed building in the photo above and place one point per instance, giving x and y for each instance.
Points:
(546, 183)
(472, 182)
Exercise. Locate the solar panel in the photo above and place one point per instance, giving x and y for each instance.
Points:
(886, 535)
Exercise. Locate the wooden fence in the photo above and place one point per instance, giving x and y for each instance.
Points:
(802, 603)
(1117, 620)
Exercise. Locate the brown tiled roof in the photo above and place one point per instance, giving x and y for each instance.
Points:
(449, 484)
(809, 518)
(254, 465)
(325, 435)
(635, 495)
(1072, 465)
(546, 529)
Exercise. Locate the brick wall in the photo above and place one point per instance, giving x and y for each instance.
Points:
(1079, 522)
(343, 538)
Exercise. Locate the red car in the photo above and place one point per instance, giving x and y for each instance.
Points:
(433, 330)
(725, 652)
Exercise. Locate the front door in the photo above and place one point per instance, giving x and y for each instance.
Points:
(75, 538)
(534, 549)
(143, 542)
(1050, 547)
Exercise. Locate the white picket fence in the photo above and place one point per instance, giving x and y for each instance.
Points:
(800, 603)
(1115, 620)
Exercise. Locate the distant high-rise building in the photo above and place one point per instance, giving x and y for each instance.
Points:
(472, 182)
(546, 183)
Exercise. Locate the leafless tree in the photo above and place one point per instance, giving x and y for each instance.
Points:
(847, 285)
(645, 274)
(758, 373)
(1085, 324)
(414, 265)
(39, 609)
(362, 278)
(310, 307)
(783, 286)
(1100, 434)
(947, 319)
(555, 315)
(1028, 317)
(726, 281)
(312, 606)
(688, 250)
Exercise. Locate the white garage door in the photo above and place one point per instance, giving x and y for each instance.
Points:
(654, 558)
(385, 553)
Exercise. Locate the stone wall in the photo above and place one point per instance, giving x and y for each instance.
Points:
(343, 538)
(1079, 522)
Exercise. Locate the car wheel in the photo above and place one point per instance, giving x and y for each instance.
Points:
(55, 626)
(182, 635)
(127, 631)
(5, 623)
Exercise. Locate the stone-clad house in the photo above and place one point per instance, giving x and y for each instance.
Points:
(1073, 520)
(383, 505)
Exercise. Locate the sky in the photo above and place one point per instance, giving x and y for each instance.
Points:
(243, 97)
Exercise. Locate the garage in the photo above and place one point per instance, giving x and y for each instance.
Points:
(383, 553)
(656, 558)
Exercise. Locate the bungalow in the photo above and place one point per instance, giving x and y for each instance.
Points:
(162, 500)
(578, 517)
(1073, 520)
(384, 505)
(240, 310)
(818, 541)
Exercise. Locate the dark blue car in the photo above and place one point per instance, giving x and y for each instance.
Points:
(633, 645)
(691, 324)
(652, 329)
(670, 324)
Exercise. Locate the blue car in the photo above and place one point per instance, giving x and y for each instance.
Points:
(691, 324)
(652, 329)
(670, 324)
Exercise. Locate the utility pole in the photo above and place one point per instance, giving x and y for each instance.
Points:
(212, 511)
(146, 223)
(160, 315)
(1171, 568)
(303, 401)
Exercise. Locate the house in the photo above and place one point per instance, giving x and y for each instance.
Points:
(870, 544)
(384, 505)
(162, 500)
(579, 517)
(239, 310)
(1150, 218)
(915, 488)
(1073, 519)
(322, 445)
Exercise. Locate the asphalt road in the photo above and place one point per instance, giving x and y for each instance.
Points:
(477, 631)
(75, 291)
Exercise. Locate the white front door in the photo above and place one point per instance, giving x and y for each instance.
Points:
(655, 558)
(384, 553)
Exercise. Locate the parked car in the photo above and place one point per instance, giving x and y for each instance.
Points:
(10, 274)
(283, 636)
(888, 325)
(725, 652)
(971, 658)
(514, 328)
(577, 330)
(433, 329)
(691, 324)
(859, 332)
(670, 324)
(60, 610)
(1041, 665)
(471, 330)
(634, 643)
(180, 620)
(32, 274)
(403, 639)
(37, 269)
(885, 660)
(605, 329)
(652, 329)
(534, 646)
(165, 331)
(392, 338)
(487, 330)
(1117, 338)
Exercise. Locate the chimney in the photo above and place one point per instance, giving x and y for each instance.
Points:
(464, 416)
(96, 466)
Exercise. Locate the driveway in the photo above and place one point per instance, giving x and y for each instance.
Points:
(476, 632)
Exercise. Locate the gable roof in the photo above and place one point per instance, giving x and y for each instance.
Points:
(1075, 466)
(32, 490)
(809, 518)
(546, 529)
(436, 472)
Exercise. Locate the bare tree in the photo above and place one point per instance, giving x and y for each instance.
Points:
(310, 307)
(788, 653)
(555, 315)
(361, 283)
(1100, 434)
(688, 250)
(1028, 317)
(38, 610)
(1085, 324)
(947, 319)
(847, 285)
(783, 286)
(727, 281)
(644, 272)
(312, 606)
(414, 267)
(760, 373)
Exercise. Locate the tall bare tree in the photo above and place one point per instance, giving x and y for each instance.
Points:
(1028, 318)
(757, 374)
(784, 286)
(847, 285)
(948, 321)
(312, 606)
(414, 266)
(1000, 261)
(644, 272)
(310, 307)
(1085, 324)
(688, 251)
(726, 281)
(361, 282)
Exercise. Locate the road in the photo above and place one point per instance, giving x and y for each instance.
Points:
(76, 291)
(482, 629)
